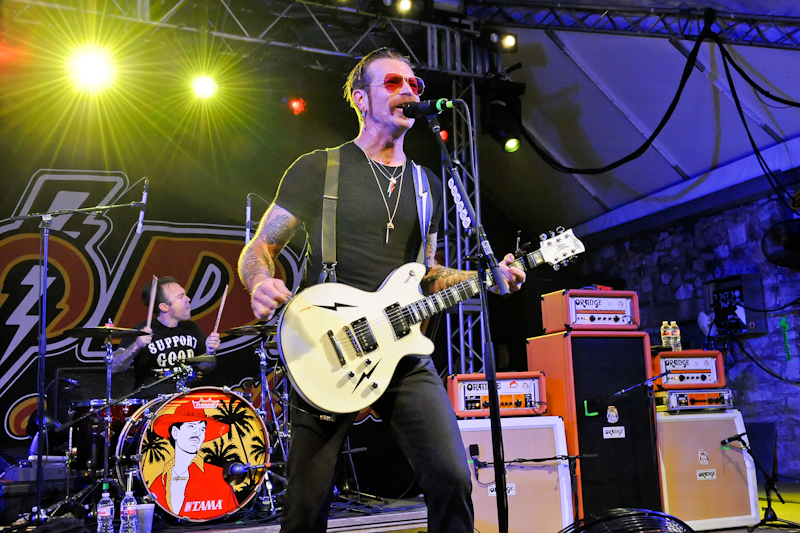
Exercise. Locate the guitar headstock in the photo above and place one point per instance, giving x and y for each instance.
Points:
(560, 247)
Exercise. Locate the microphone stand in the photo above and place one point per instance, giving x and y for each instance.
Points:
(39, 514)
(487, 261)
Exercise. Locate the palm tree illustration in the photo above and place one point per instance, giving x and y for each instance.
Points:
(154, 447)
(238, 416)
(258, 448)
(220, 454)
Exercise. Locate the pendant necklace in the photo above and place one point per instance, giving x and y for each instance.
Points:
(392, 181)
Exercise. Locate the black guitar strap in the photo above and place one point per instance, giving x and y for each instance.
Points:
(330, 198)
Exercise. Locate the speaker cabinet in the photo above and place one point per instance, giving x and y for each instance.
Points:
(592, 379)
(539, 494)
(705, 485)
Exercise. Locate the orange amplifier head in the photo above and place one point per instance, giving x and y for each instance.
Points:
(572, 309)
(689, 369)
(519, 393)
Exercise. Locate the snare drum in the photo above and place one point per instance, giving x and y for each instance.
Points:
(182, 447)
(87, 437)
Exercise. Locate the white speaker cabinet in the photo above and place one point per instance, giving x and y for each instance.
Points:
(705, 485)
(539, 494)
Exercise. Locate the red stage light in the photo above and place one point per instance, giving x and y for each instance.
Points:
(298, 105)
(444, 135)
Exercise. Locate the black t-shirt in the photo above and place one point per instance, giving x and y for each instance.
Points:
(363, 256)
(169, 347)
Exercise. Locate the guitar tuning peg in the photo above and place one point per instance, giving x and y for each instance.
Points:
(565, 262)
(560, 230)
(573, 259)
(556, 266)
(543, 237)
(552, 234)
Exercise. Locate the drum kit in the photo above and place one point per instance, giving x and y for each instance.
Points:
(199, 453)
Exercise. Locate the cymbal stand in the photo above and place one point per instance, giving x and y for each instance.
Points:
(266, 491)
(266, 393)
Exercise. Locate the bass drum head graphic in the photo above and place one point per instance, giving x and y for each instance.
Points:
(184, 446)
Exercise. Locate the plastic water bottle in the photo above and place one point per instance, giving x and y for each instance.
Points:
(105, 514)
(666, 339)
(676, 336)
(128, 521)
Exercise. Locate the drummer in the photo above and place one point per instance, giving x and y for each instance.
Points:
(172, 338)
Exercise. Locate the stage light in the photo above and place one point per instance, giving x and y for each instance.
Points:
(404, 6)
(444, 135)
(498, 41)
(297, 105)
(91, 69)
(204, 87)
(501, 111)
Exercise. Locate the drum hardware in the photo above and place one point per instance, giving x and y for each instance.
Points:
(281, 431)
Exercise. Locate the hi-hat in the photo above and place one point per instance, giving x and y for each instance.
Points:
(253, 329)
(102, 332)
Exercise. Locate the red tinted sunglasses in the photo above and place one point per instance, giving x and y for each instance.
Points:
(393, 82)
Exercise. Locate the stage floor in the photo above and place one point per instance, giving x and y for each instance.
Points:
(408, 516)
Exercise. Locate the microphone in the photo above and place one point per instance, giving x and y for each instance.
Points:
(428, 107)
(142, 206)
(738, 437)
(247, 223)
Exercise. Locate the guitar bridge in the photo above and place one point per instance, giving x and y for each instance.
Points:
(364, 335)
(399, 324)
(354, 341)
(336, 348)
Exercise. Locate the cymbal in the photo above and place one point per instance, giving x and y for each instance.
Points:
(102, 332)
(253, 329)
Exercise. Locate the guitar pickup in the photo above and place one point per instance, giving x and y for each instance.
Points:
(399, 324)
(336, 348)
(364, 335)
(354, 341)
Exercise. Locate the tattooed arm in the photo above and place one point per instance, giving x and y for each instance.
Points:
(257, 261)
(440, 277)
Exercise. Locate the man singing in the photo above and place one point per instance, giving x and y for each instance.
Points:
(377, 230)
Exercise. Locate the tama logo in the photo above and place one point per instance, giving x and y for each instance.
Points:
(707, 475)
(511, 490)
(202, 505)
(205, 404)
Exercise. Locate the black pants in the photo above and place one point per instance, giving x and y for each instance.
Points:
(419, 418)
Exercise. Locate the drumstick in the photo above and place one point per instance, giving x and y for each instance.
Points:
(153, 287)
(221, 306)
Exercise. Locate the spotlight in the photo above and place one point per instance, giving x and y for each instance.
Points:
(91, 69)
(204, 87)
(444, 135)
(297, 105)
(498, 41)
(501, 111)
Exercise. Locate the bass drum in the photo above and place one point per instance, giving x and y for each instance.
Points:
(181, 448)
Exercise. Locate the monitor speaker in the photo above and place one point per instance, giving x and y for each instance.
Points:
(706, 485)
(539, 493)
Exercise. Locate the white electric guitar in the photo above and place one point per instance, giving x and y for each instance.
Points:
(341, 345)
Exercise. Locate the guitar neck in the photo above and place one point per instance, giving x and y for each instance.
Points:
(424, 308)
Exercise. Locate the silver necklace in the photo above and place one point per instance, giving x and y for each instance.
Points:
(390, 215)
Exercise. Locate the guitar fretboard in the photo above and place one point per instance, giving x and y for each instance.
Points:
(416, 312)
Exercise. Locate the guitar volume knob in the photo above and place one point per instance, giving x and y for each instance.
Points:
(351, 374)
(374, 385)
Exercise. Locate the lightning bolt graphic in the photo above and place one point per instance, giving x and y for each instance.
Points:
(21, 315)
(335, 306)
(365, 375)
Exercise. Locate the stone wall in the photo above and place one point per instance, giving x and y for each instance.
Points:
(669, 269)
